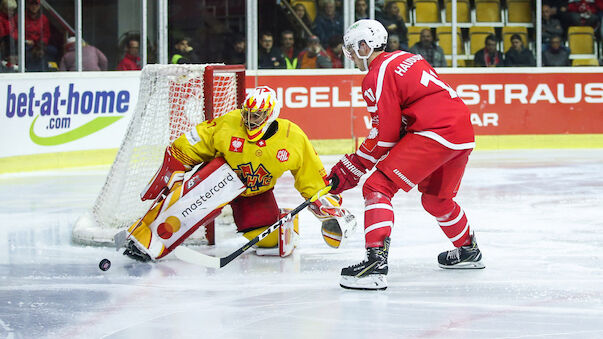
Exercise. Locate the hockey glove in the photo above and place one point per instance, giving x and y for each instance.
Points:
(346, 173)
(336, 231)
(326, 207)
(170, 173)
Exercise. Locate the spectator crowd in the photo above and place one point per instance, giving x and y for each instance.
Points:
(320, 41)
(311, 38)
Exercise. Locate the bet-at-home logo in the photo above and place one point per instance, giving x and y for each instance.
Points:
(65, 114)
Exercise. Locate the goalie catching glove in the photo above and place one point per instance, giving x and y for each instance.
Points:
(337, 222)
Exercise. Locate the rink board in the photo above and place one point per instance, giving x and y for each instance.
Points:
(68, 119)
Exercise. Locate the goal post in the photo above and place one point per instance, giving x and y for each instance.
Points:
(172, 99)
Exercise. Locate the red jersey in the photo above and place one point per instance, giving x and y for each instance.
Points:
(36, 29)
(129, 63)
(404, 93)
(8, 25)
(581, 6)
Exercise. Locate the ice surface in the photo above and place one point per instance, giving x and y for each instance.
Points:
(538, 218)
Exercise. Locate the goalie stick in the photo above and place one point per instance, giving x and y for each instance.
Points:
(193, 257)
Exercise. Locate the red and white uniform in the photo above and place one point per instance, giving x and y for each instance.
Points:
(421, 136)
(403, 92)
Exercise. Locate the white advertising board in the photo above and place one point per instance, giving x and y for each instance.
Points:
(63, 112)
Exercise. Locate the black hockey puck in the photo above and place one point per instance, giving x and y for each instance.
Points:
(104, 264)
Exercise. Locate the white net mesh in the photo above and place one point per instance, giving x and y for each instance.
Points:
(171, 101)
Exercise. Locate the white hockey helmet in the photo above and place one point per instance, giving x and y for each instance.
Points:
(259, 110)
(370, 31)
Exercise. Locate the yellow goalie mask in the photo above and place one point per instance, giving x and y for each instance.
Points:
(259, 110)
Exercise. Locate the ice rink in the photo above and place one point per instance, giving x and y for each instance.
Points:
(537, 215)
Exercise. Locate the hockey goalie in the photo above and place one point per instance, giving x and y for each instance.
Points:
(235, 159)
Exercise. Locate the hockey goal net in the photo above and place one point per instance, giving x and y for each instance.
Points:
(172, 99)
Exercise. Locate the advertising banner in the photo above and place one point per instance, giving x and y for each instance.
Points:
(65, 112)
(331, 106)
(48, 113)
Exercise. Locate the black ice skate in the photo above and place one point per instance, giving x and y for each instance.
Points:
(135, 253)
(468, 256)
(370, 274)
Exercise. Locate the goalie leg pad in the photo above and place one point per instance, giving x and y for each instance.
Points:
(271, 241)
(171, 172)
(288, 234)
(186, 208)
(281, 242)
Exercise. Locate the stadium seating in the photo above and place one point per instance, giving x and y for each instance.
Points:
(519, 12)
(463, 12)
(477, 36)
(581, 42)
(403, 7)
(310, 5)
(477, 19)
(414, 34)
(488, 13)
(585, 62)
(508, 31)
(444, 34)
(426, 12)
(459, 62)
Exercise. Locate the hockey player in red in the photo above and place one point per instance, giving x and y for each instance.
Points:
(421, 136)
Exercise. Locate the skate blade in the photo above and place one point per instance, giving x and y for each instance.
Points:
(372, 282)
(466, 265)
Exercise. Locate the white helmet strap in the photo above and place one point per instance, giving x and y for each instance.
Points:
(364, 58)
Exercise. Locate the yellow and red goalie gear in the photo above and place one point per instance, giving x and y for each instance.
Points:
(281, 242)
(171, 172)
(328, 206)
(187, 207)
(259, 110)
(335, 231)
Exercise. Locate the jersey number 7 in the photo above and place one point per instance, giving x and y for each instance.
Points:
(426, 78)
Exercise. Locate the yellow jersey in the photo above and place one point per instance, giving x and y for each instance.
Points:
(258, 164)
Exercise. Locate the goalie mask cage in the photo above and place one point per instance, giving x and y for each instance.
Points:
(172, 99)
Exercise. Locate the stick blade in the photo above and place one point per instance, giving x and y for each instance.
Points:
(120, 239)
(193, 257)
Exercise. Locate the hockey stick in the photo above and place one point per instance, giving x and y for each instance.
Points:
(193, 257)
(122, 236)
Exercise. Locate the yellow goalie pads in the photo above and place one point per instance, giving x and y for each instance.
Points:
(188, 206)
